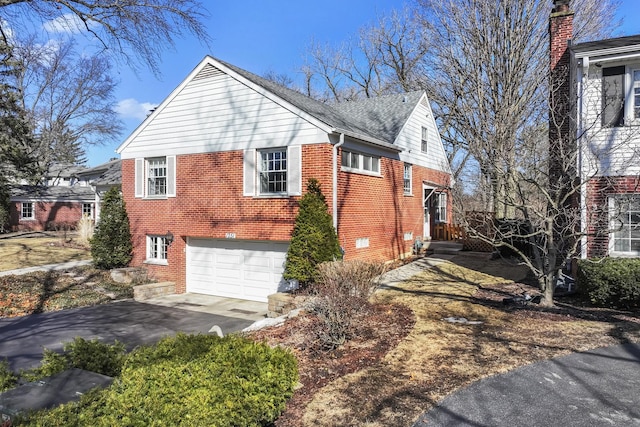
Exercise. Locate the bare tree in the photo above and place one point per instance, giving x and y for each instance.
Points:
(386, 57)
(134, 30)
(69, 100)
(487, 77)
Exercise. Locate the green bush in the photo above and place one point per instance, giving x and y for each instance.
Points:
(111, 245)
(314, 239)
(192, 380)
(610, 282)
(93, 355)
(7, 378)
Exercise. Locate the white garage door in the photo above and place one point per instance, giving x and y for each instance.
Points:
(235, 268)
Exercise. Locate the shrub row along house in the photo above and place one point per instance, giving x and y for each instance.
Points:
(211, 179)
(603, 83)
(66, 193)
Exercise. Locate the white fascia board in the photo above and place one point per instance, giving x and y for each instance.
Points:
(612, 54)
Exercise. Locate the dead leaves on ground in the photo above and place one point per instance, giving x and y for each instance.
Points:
(438, 357)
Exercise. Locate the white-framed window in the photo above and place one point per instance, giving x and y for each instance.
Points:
(624, 215)
(26, 211)
(362, 242)
(407, 179)
(87, 210)
(157, 249)
(155, 177)
(440, 200)
(272, 171)
(360, 162)
(424, 141)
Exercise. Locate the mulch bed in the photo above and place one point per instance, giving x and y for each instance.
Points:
(382, 329)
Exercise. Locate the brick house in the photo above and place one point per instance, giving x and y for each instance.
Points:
(603, 83)
(57, 203)
(66, 194)
(212, 178)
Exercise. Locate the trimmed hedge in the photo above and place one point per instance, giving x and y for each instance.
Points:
(190, 380)
(611, 282)
(92, 355)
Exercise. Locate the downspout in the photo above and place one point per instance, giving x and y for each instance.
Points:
(334, 208)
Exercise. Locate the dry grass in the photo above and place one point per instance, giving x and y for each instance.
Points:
(45, 291)
(20, 252)
(438, 357)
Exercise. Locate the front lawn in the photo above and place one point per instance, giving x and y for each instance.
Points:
(389, 379)
(58, 290)
(39, 249)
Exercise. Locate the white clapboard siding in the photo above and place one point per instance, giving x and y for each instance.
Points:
(410, 140)
(605, 151)
(219, 113)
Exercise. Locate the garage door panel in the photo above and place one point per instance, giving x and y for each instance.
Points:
(228, 259)
(235, 268)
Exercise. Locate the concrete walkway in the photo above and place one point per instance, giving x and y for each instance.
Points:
(48, 267)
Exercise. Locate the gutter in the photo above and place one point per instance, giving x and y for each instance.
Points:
(334, 208)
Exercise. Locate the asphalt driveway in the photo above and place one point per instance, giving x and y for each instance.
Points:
(22, 339)
(594, 388)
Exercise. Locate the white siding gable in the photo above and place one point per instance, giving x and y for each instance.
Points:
(215, 111)
(410, 138)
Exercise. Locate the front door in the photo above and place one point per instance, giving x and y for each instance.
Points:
(426, 203)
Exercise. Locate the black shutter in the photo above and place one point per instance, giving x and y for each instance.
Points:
(613, 96)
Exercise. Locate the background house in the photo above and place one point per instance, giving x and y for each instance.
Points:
(602, 82)
(66, 193)
(57, 203)
(212, 178)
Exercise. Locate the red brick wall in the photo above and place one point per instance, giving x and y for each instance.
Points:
(376, 207)
(47, 216)
(598, 191)
(210, 203)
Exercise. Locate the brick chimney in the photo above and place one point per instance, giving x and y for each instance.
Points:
(561, 141)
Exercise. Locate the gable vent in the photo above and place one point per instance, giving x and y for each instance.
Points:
(424, 103)
(207, 72)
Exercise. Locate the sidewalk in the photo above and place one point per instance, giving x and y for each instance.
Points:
(48, 267)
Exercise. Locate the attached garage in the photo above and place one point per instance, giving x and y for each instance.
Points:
(234, 268)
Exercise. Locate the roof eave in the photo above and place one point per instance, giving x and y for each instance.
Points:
(368, 139)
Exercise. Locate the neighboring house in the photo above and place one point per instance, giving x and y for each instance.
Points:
(66, 194)
(212, 179)
(101, 178)
(56, 204)
(604, 82)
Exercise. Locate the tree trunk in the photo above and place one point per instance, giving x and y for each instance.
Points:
(546, 284)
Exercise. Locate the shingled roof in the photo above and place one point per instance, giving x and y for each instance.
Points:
(379, 119)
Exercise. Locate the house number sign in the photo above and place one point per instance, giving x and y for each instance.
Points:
(230, 235)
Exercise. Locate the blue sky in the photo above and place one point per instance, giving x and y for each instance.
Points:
(261, 36)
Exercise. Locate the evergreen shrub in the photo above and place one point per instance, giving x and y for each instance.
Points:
(314, 239)
(611, 282)
(188, 380)
(111, 245)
